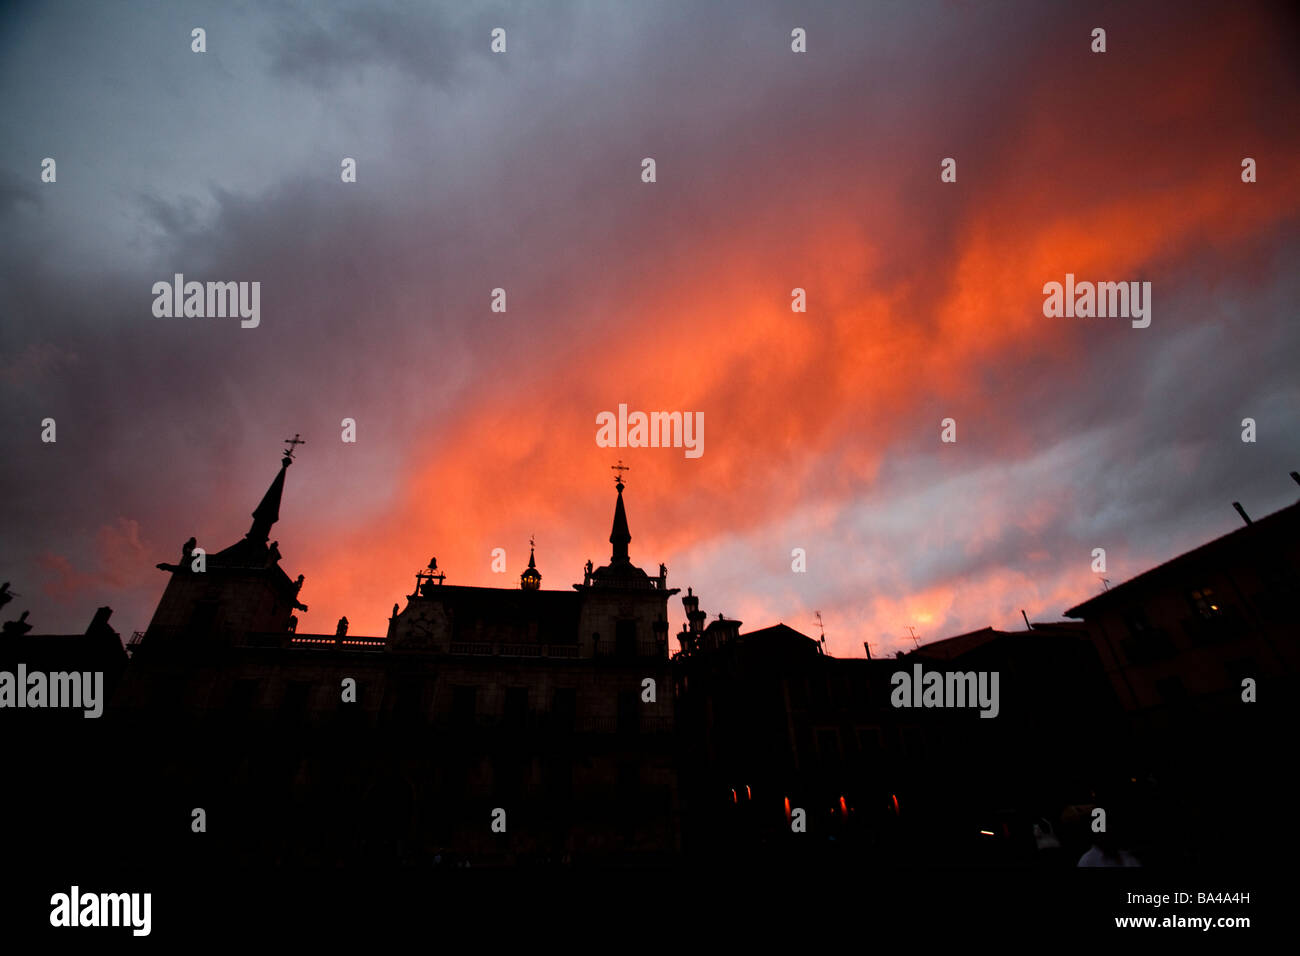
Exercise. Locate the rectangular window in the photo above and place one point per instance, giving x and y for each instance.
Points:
(1146, 643)
(464, 705)
(516, 707)
(565, 709)
(628, 712)
(828, 745)
(1136, 620)
(510, 775)
(557, 774)
(630, 799)
(1206, 604)
(625, 638)
(805, 746)
(297, 695)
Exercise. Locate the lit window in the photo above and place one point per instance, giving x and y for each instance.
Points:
(1206, 604)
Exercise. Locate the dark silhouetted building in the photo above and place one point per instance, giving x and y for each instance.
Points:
(1202, 653)
(510, 726)
(488, 725)
(771, 724)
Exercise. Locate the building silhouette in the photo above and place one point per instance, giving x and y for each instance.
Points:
(521, 726)
(776, 724)
(553, 707)
(1201, 654)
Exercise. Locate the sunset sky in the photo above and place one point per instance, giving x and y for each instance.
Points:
(522, 170)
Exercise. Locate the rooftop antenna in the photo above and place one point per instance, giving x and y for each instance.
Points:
(1028, 626)
(818, 615)
(866, 646)
(1105, 584)
(911, 630)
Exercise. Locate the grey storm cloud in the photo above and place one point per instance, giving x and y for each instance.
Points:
(474, 167)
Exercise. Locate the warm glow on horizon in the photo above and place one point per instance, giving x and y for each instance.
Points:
(477, 429)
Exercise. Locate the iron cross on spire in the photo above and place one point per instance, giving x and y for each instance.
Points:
(620, 468)
(295, 440)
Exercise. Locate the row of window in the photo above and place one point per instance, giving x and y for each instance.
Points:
(406, 701)
(827, 692)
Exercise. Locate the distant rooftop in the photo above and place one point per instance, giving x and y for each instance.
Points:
(1277, 522)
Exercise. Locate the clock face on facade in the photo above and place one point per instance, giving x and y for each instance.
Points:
(420, 625)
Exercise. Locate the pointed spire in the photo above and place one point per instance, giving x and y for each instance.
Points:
(268, 512)
(531, 579)
(619, 536)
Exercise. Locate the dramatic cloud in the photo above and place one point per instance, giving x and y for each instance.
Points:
(522, 171)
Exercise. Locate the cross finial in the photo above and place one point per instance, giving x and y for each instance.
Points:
(291, 442)
(620, 468)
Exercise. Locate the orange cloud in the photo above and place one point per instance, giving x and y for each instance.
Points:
(802, 407)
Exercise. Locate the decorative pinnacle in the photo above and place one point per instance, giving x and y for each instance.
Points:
(288, 452)
(620, 468)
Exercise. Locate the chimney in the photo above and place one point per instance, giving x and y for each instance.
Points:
(1242, 511)
(99, 623)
